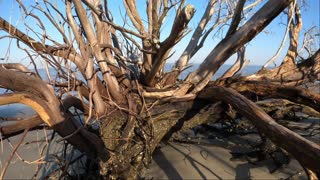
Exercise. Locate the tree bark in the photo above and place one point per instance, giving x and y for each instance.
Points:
(281, 136)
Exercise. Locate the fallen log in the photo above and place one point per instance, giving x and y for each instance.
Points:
(305, 151)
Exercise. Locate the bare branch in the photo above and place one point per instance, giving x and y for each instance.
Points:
(188, 52)
(134, 15)
(177, 32)
(112, 83)
(61, 51)
(289, 26)
(12, 154)
(236, 18)
(53, 21)
(228, 46)
(295, 28)
(270, 90)
(240, 63)
(204, 34)
(308, 40)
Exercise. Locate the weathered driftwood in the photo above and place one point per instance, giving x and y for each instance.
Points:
(135, 114)
(280, 135)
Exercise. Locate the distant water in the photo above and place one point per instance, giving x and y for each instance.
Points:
(245, 71)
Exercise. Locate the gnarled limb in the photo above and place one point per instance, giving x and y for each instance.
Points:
(42, 99)
(18, 127)
(71, 101)
(304, 72)
(281, 136)
(16, 66)
(271, 90)
(280, 108)
(63, 125)
(33, 101)
(20, 82)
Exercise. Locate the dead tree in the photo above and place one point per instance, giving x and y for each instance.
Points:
(134, 114)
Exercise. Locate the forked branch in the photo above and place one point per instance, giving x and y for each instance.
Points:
(177, 32)
(228, 46)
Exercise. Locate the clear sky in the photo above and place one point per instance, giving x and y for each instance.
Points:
(259, 50)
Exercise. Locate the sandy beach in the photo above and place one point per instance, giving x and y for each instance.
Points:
(204, 158)
(180, 161)
(173, 161)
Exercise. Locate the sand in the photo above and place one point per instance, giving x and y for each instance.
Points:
(181, 161)
(172, 161)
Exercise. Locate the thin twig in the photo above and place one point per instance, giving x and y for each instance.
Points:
(12, 153)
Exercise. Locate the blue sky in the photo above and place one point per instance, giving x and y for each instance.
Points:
(259, 50)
